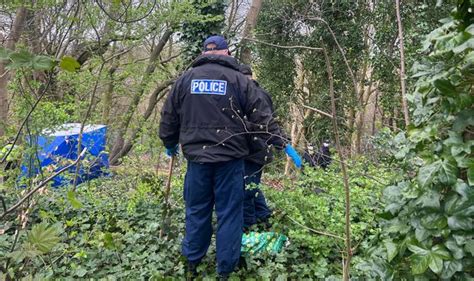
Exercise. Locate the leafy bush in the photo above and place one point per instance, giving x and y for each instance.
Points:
(428, 227)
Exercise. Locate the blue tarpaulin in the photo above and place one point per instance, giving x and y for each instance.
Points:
(57, 145)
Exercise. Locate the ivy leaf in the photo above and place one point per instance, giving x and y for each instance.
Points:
(43, 237)
(440, 251)
(445, 87)
(454, 248)
(464, 190)
(71, 197)
(451, 267)
(436, 264)
(419, 263)
(417, 250)
(469, 44)
(465, 118)
(459, 222)
(470, 174)
(427, 173)
(430, 199)
(391, 250)
(447, 172)
(69, 64)
(470, 247)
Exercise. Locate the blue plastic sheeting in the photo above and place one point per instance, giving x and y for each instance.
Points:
(56, 146)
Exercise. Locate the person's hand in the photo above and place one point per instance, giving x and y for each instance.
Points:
(173, 151)
(291, 152)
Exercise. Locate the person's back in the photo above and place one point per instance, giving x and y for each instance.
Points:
(213, 98)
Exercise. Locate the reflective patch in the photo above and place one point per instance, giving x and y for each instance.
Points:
(208, 87)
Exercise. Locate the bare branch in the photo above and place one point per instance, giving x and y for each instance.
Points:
(318, 111)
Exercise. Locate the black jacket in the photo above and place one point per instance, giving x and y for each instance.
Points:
(212, 109)
(260, 151)
(321, 158)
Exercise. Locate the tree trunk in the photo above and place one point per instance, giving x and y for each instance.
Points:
(152, 62)
(251, 22)
(12, 39)
(402, 65)
(154, 99)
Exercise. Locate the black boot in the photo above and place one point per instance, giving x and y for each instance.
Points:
(191, 271)
(242, 264)
(223, 277)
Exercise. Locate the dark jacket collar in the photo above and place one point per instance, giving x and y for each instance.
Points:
(226, 61)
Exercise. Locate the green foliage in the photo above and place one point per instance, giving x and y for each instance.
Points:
(208, 20)
(317, 202)
(429, 218)
(110, 228)
(23, 59)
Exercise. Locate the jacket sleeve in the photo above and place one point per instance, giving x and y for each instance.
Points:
(259, 112)
(169, 123)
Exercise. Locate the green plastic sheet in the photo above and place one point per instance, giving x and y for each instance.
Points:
(259, 242)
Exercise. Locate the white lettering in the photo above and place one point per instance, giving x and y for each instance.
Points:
(194, 86)
(215, 87)
(202, 86)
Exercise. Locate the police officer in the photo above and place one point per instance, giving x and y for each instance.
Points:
(255, 205)
(210, 110)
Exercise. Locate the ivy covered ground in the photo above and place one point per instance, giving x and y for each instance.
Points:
(110, 227)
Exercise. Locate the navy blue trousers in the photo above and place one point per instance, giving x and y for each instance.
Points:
(206, 185)
(255, 206)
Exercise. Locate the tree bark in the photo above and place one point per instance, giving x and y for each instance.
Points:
(13, 38)
(402, 65)
(154, 99)
(123, 128)
(251, 22)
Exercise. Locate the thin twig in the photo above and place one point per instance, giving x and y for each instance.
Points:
(318, 111)
(314, 230)
(343, 169)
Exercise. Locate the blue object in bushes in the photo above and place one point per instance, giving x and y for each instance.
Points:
(56, 145)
